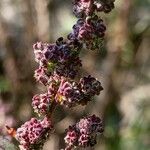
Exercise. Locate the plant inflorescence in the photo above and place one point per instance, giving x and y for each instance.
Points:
(58, 67)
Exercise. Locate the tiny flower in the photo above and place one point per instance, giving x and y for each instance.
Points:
(38, 51)
(52, 88)
(41, 76)
(71, 137)
(41, 103)
(46, 123)
(84, 140)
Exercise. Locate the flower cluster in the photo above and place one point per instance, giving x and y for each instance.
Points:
(60, 58)
(90, 28)
(84, 133)
(41, 103)
(83, 8)
(33, 133)
(90, 86)
(89, 31)
(59, 64)
(66, 92)
(71, 93)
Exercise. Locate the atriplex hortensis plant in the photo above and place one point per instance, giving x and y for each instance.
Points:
(58, 66)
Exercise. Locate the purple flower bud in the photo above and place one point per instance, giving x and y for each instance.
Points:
(40, 75)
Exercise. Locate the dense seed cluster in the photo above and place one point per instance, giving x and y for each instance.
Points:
(84, 133)
(59, 64)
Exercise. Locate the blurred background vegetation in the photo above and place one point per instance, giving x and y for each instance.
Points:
(122, 65)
